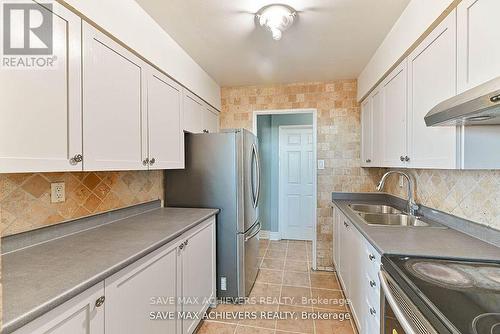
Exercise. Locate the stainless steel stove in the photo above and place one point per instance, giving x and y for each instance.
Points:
(426, 295)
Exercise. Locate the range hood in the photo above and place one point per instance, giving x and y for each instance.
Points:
(477, 106)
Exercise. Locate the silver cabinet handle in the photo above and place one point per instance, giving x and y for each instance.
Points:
(76, 159)
(99, 301)
(145, 162)
(152, 161)
(371, 257)
(373, 283)
(495, 98)
(402, 158)
(373, 311)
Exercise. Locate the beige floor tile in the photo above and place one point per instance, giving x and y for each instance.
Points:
(294, 278)
(278, 245)
(276, 264)
(262, 291)
(328, 299)
(296, 255)
(324, 280)
(297, 247)
(270, 276)
(293, 295)
(210, 327)
(295, 324)
(262, 319)
(301, 266)
(262, 251)
(333, 325)
(253, 330)
(275, 254)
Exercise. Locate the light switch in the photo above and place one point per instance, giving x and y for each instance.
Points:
(321, 164)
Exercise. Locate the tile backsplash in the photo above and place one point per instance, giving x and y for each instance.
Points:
(25, 198)
(473, 195)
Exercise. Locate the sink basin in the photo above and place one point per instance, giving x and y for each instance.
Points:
(394, 220)
(371, 208)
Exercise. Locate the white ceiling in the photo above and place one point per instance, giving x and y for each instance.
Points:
(332, 39)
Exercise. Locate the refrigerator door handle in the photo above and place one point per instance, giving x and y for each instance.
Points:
(255, 173)
(257, 157)
(256, 231)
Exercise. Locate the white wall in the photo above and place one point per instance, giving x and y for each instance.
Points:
(128, 22)
(413, 22)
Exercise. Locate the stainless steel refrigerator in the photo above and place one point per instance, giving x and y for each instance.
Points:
(223, 171)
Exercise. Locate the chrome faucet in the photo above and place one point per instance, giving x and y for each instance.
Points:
(412, 207)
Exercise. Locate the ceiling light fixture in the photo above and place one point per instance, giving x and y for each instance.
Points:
(276, 18)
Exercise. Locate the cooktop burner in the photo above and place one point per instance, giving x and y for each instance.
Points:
(465, 295)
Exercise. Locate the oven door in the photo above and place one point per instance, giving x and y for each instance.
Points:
(399, 314)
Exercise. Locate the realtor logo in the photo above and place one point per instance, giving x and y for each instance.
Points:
(27, 29)
(27, 33)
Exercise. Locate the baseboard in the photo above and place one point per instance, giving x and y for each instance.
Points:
(269, 235)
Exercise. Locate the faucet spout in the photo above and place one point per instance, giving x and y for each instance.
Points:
(412, 207)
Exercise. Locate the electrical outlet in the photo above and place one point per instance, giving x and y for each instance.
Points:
(57, 192)
(321, 164)
(223, 283)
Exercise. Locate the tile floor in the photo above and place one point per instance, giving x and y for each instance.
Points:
(286, 284)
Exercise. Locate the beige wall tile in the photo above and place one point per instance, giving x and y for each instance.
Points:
(25, 198)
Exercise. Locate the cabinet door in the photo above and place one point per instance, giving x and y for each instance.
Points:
(478, 48)
(139, 296)
(210, 120)
(80, 315)
(40, 108)
(114, 124)
(394, 104)
(377, 128)
(431, 80)
(198, 273)
(345, 254)
(166, 136)
(367, 132)
(193, 113)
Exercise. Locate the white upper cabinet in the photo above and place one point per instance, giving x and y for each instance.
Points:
(431, 80)
(40, 109)
(210, 120)
(367, 132)
(193, 113)
(478, 32)
(165, 132)
(114, 122)
(394, 117)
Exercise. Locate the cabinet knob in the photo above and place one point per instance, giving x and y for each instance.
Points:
(373, 311)
(205, 131)
(368, 161)
(100, 301)
(145, 162)
(152, 161)
(407, 158)
(402, 158)
(373, 283)
(76, 159)
(346, 225)
(186, 242)
(371, 257)
(181, 246)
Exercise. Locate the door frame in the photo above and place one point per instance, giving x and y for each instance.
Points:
(281, 201)
(314, 113)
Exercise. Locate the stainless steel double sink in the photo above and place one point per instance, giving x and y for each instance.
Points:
(384, 215)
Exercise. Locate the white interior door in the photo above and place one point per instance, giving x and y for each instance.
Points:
(296, 182)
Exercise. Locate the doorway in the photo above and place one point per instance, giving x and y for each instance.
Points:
(288, 146)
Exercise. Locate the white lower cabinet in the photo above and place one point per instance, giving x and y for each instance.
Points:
(147, 296)
(357, 264)
(84, 314)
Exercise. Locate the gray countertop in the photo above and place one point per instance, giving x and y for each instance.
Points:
(417, 241)
(41, 277)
